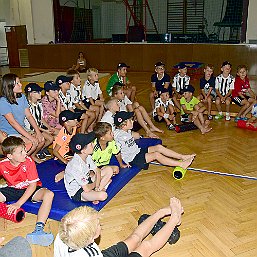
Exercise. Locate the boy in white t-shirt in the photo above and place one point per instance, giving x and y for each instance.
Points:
(92, 94)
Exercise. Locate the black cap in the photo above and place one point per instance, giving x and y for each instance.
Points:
(164, 90)
(189, 88)
(121, 65)
(32, 87)
(79, 141)
(119, 117)
(226, 63)
(118, 84)
(182, 66)
(159, 64)
(63, 79)
(68, 115)
(50, 85)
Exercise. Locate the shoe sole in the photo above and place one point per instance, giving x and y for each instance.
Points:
(43, 240)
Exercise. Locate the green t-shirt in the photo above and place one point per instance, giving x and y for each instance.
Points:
(189, 105)
(113, 79)
(103, 157)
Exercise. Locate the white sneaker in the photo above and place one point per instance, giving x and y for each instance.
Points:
(227, 117)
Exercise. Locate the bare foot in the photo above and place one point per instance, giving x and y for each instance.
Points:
(151, 134)
(59, 176)
(206, 124)
(187, 156)
(185, 164)
(155, 129)
(176, 210)
(95, 202)
(208, 130)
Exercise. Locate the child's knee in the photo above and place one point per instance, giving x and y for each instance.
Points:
(48, 194)
(102, 196)
(115, 170)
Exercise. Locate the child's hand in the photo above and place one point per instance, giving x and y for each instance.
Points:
(12, 208)
(1, 241)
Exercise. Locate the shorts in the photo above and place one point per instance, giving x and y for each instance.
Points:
(86, 102)
(213, 95)
(77, 196)
(140, 160)
(156, 118)
(14, 194)
(136, 126)
(185, 118)
(119, 250)
(238, 100)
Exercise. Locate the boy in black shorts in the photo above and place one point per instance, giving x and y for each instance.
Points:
(20, 173)
(132, 154)
(80, 227)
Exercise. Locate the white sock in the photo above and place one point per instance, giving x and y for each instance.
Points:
(220, 113)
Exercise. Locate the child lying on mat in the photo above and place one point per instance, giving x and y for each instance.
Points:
(83, 180)
(141, 157)
(104, 148)
(80, 227)
(253, 120)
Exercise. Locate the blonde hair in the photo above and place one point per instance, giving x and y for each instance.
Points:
(90, 70)
(78, 228)
(116, 88)
(101, 129)
(72, 73)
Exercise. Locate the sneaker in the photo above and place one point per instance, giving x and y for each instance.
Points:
(244, 118)
(40, 155)
(227, 117)
(39, 237)
(237, 119)
(46, 152)
(210, 117)
(170, 127)
(175, 235)
(219, 117)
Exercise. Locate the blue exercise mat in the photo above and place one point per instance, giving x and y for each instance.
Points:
(62, 204)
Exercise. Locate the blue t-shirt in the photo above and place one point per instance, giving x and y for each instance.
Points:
(17, 110)
(159, 84)
(206, 84)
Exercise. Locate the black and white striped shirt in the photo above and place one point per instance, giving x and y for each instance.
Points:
(223, 85)
(37, 112)
(66, 100)
(180, 82)
(158, 103)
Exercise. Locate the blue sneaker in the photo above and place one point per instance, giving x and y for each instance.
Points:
(244, 118)
(237, 119)
(39, 237)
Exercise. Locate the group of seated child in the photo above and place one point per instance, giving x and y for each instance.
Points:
(87, 130)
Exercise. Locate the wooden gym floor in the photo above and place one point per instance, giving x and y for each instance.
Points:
(220, 212)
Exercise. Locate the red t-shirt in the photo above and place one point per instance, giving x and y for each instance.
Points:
(21, 176)
(241, 86)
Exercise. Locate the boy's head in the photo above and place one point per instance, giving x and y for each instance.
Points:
(83, 143)
(103, 130)
(208, 70)
(14, 149)
(33, 90)
(182, 70)
(164, 94)
(63, 82)
(122, 69)
(242, 71)
(51, 89)
(111, 104)
(92, 75)
(79, 227)
(121, 119)
(188, 91)
(76, 81)
(69, 118)
(117, 91)
(159, 68)
(226, 68)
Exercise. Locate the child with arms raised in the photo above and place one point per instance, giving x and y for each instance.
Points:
(132, 154)
(80, 183)
(21, 176)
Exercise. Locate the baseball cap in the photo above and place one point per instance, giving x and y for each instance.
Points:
(32, 87)
(121, 65)
(119, 117)
(62, 79)
(68, 115)
(182, 66)
(159, 64)
(50, 85)
(79, 141)
(189, 88)
(226, 63)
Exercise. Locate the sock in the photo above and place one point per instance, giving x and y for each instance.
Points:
(39, 226)
(220, 113)
(227, 113)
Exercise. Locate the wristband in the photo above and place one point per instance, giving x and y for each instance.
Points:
(165, 115)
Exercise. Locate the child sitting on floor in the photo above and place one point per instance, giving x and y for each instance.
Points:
(164, 109)
(80, 183)
(80, 227)
(20, 173)
(92, 94)
(132, 154)
(253, 120)
(68, 120)
(142, 116)
(33, 93)
(192, 110)
(105, 147)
